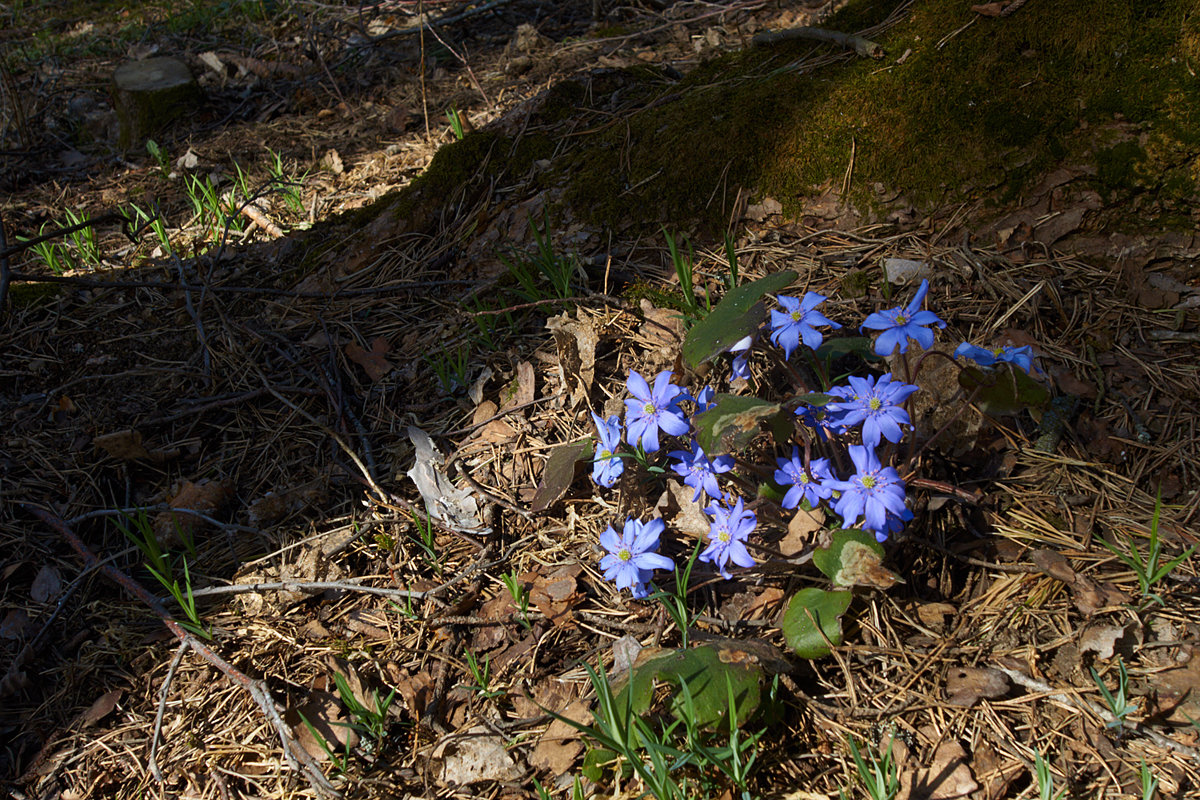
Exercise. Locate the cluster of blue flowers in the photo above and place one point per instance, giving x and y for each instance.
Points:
(868, 409)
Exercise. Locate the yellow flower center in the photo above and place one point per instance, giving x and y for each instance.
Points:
(796, 316)
(648, 408)
(624, 555)
(605, 455)
(868, 481)
(723, 537)
(875, 404)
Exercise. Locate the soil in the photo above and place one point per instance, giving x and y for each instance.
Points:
(242, 393)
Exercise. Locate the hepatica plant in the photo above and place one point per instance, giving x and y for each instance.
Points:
(841, 444)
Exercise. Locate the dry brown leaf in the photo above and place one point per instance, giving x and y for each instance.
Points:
(802, 531)
(273, 506)
(989, 9)
(675, 505)
(1053, 565)
(560, 745)
(372, 361)
(100, 709)
(1178, 692)
(46, 584)
(576, 341)
(125, 445)
(1093, 596)
(324, 712)
(520, 390)
(966, 685)
(554, 594)
(663, 326)
(934, 615)
(1101, 639)
(204, 496)
(947, 777)
(16, 624)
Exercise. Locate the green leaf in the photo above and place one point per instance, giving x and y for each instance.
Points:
(707, 670)
(860, 346)
(733, 420)
(855, 558)
(559, 473)
(1003, 391)
(596, 762)
(812, 621)
(737, 316)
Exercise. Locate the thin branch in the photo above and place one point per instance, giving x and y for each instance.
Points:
(861, 46)
(306, 586)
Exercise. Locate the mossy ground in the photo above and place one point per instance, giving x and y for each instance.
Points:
(962, 108)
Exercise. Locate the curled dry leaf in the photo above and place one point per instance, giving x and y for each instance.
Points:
(128, 446)
(802, 531)
(46, 584)
(560, 745)
(324, 712)
(1102, 639)
(966, 685)
(554, 594)
(947, 777)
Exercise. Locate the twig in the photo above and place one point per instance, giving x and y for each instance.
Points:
(861, 46)
(152, 760)
(92, 283)
(253, 212)
(5, 272)
(306, 586)
(1081, 704)
(297, 757)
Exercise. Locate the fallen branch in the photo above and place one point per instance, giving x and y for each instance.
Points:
(297, 757)
(306, 586)
(861, 46)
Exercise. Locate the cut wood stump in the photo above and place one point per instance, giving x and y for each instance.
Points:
(148, 95)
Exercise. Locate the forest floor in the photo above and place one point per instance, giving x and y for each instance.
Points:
(245, 389)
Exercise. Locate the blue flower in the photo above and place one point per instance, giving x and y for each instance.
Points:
(730, 527)
(901, 324)
(606, 465)
(704, 399)
(795, 323)
(631, 558)
(741, 362)
(894, 524)
(876, 406)
(1021, 357)
(648, 411)
(870, 493)
(791, 473)
(699, 471)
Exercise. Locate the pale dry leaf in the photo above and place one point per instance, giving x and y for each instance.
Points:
(474, 757)
(947, 777)
(676, 506)
(520, 390)
(802, 531)
(1101, 639)
(934, 615)
(554, 594)
(663, 326)
(453, 507)
(966, 685)
(46, 584)
(625, 653)
(16, 624)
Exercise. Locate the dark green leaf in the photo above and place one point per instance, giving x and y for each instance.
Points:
(813, 621)
(738, 315)
(559, 473)
(1003, 391)
(705, 670)
(733, 420)
(860, 346)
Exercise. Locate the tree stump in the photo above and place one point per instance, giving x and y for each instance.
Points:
(148, 95)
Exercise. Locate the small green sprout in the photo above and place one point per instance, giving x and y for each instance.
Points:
(520, 597)
(1045, 779)
(1148, 570)
(481, 673)
(1118, 704)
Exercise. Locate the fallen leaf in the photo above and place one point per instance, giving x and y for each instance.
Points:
(966, 685)
(205, 496)
(125, 445)
(933, 615)
(560, 745)
(663, 326)
(100, 709)
(676, 506)
(473, 757)
(576, 341)
(372, 361)
(1101, 639)
(947, 776)
(625, 653)
(324, 712)
(1053, 565)
(801, 531)
(1178, 692)
(520, 390)
(453, 507)
(989, 9)
(46, 584)
(274, 506)
(555, 594)
(1093, 596)
(559, 473)
(15, 625)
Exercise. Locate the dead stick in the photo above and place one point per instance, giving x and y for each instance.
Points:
(297, 757)
(861, 46)
(255, 214)
(306, 586)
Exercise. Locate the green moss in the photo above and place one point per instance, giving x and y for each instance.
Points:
(1116, 166)
(980, 111)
